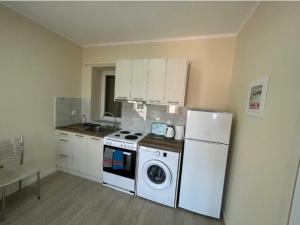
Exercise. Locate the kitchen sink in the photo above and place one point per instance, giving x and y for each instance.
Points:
(100, 129)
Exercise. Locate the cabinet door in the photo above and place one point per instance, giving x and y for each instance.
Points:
(175, 82)
(156, 81)
(95, 157)
(80, 153)
(64, 153)
(123, 79)
(139, 79)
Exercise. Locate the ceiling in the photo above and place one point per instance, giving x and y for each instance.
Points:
(89, 23)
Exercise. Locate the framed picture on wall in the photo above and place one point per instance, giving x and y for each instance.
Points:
(257, 96)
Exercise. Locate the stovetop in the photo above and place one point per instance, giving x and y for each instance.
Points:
(126, 136)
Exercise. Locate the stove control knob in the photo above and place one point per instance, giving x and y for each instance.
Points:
(157, 153)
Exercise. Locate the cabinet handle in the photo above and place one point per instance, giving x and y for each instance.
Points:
(64, 140)
(121, 98)
(139, 99)
(173, 102)
(96, 139)
(155, 101)
(79, 136)
(63, 155)
(126, 153)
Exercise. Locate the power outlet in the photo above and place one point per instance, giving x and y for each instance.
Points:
(74, 112)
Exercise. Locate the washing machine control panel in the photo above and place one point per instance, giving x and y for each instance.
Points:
(158, 153)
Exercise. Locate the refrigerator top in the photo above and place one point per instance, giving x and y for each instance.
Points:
(208, 126)
(206, 110)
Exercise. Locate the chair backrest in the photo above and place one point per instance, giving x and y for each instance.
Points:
(12, 152)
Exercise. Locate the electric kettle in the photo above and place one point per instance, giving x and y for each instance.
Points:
(170, 132)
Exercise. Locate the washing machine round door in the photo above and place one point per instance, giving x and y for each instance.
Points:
(157, 174)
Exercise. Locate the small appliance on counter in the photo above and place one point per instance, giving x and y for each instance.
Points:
(83, 119)
(170, 132)
(159, 129)
(179, 132)
(162, 130)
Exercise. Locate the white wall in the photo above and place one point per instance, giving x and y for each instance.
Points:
(96, 91)
(210, 66)
(35, 66)
(264, 153)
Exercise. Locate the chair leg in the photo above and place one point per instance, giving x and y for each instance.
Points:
(3, 190)
(20, 185)
(38, 185)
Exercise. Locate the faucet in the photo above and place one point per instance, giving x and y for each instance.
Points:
(115, 124)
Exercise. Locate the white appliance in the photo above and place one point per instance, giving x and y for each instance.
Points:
(157, 178)
(126, 142)
(170, 132)
(179, 132)
(204, 162)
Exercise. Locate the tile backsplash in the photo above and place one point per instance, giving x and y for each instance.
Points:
(63, 111)
(141, 119)
(134, 117)
(86, 108)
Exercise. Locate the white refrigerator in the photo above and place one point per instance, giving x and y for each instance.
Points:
(204, 161)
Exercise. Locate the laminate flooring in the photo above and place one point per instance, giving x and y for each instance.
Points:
(71, 200)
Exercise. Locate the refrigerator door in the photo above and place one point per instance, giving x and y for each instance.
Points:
(208, 126)
(202, 181)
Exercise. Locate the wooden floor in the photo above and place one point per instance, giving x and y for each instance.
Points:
(71, 200)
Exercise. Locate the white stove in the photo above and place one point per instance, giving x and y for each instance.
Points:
(124, 139)
(119, 164)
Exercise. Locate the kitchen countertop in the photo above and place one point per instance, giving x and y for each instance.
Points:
(150, 140)
(81, 129)
(160, 142)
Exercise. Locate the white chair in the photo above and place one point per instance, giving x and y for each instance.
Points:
(12, 168)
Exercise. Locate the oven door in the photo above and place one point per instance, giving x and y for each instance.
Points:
(119, 161)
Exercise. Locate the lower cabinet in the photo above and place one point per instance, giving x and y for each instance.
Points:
(64, 152)
(95, 157)
(80, 155)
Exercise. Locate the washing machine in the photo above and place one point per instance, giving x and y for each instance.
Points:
(158, 174)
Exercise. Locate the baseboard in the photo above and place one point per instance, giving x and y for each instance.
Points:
(48, 172)
(86, 176)
(28, 181)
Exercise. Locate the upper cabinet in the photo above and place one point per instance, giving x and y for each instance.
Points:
(175, 82)
(123, 79)
(156, 81)
(159, 81)
(139, 79)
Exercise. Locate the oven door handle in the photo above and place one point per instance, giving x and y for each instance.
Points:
(126, 153)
